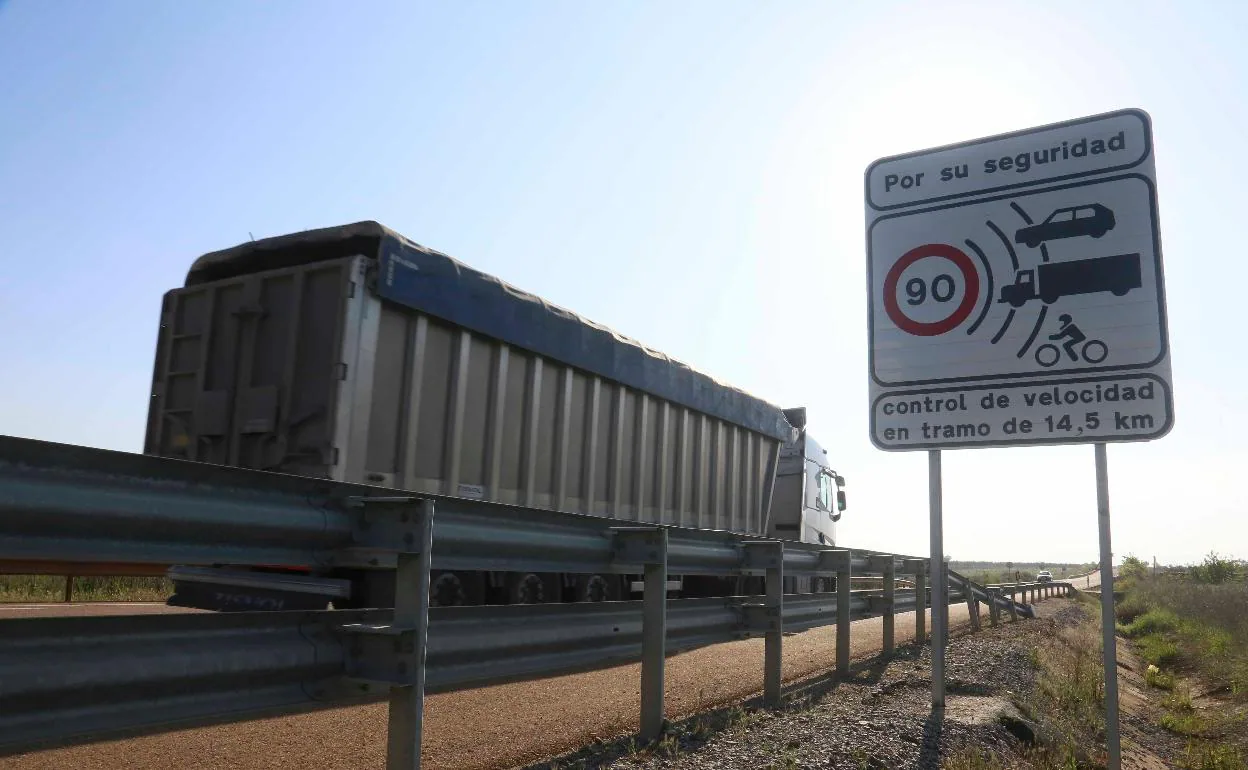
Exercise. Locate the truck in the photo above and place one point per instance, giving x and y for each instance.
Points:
(354, 354)
(1117, 274)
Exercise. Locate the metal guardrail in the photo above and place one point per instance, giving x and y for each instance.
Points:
(74, 679)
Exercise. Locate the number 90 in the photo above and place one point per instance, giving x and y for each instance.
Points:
(942, 289)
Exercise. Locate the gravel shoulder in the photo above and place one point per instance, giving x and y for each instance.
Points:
(880, 717)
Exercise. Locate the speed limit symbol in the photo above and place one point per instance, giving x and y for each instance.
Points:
(931, 290)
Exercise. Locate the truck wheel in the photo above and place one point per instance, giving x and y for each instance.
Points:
(1048, 299)
(527, 588)
(597, 588)
(456, 589)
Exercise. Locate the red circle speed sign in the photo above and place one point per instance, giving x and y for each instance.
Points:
(970, 278)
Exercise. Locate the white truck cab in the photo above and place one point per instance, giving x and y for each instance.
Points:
(809, 497)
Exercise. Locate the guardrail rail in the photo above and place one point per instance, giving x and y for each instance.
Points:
(75, 679)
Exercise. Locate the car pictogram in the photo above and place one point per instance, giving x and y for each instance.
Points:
(1093, 219)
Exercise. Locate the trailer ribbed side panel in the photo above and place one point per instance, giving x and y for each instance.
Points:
(305, 370)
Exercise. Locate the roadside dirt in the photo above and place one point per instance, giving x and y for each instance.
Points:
(878, 717)
(1147, 745)
(482, 729)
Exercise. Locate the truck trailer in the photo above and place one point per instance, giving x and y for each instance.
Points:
(354, 354)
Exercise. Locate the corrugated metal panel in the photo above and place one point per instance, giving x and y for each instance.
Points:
(304, 370)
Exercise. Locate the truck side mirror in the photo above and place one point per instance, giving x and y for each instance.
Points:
(840, 500)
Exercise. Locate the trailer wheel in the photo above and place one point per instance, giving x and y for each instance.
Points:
(455, 589)
(527, 588)
(597, 588)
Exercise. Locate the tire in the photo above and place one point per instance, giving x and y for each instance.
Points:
(1048, 299)
(597, 588)
(456, 589)
(1032, 244)
(1057, 355)
(1118, 291)
(528, 588)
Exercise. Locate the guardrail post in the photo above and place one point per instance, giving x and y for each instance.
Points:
(994, 606)
(654, 640)
(769, 556)
(886, 565)
(1013, 605)
(411, 621)
(842, 562)
(69, 588)
(972, 606)
(393, 655)
(774, 652)
(920, 598)
(648, 546)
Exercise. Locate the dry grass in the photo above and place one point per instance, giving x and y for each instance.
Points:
(1182, 622)
(51, 588)
(1069, 695)
(1196, 624)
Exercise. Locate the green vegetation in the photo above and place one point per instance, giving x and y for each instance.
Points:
(1183, 722)
(1194, 618)
(1193, 621)
(1158, 651)
(1150, 622)
(1202, 756)
(51, 588)
(1069, 696)
(1155, 677)
(1071, 678)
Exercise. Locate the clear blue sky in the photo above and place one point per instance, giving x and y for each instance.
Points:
(689, 173)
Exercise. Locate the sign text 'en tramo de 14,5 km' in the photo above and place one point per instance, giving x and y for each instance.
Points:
(1016, 290)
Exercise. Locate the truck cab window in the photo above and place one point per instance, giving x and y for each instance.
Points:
(823, 500)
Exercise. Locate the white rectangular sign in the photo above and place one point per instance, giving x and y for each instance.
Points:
(1016, 290)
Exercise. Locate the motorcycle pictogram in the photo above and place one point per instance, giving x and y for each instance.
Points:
(1092, 351)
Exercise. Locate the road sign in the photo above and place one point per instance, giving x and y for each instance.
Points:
(1016, 290)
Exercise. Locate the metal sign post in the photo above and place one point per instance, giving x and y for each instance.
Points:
(939, 576)
(1016, 298)
(1107, 610)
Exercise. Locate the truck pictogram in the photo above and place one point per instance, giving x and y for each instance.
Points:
(1117, 274)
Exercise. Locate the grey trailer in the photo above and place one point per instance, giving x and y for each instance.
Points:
(352, 353)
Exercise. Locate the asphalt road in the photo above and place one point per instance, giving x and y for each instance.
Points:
(485, 728)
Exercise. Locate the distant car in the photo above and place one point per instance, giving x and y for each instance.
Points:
(1094, 220)
(1044, 577)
